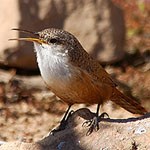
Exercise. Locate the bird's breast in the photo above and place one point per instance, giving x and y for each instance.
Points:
(55, 71)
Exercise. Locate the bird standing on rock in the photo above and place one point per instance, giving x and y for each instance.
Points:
(73, 75)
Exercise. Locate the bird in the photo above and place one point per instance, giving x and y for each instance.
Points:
(73, 75)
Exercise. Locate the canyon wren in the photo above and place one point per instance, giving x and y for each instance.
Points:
(73, 75)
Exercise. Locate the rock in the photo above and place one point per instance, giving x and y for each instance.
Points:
(99, 26)
(132, 133)
(20, 146)
(8, 21)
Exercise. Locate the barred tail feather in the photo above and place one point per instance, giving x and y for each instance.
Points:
(128, 103)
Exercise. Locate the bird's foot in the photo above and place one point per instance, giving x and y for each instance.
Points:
(93, 123)
(63, 124)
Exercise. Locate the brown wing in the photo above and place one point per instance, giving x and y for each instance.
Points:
(100, 75)
(96, 72)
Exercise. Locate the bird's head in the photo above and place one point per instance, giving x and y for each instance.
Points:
(53, 40)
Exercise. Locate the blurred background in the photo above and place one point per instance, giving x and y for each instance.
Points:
(115, 32)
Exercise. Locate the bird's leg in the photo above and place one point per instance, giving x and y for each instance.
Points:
(93, 123)
(64, 120)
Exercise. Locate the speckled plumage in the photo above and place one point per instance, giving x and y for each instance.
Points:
(88, 81)
(74, 76)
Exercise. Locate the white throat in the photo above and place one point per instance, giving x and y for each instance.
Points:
(52, 64)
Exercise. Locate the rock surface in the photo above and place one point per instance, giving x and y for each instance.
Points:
(132, 133)
(99, 26)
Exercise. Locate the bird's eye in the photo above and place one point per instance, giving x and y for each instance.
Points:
(53, 40)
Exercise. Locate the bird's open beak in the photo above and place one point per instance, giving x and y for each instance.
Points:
(29, 39)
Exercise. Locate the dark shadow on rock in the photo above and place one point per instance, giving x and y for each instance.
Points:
(127, 120)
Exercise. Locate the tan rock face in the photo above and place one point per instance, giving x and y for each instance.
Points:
(98, 25)
(9, 17)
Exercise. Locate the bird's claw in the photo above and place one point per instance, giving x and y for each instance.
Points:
(93, 123)
(63, 124)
